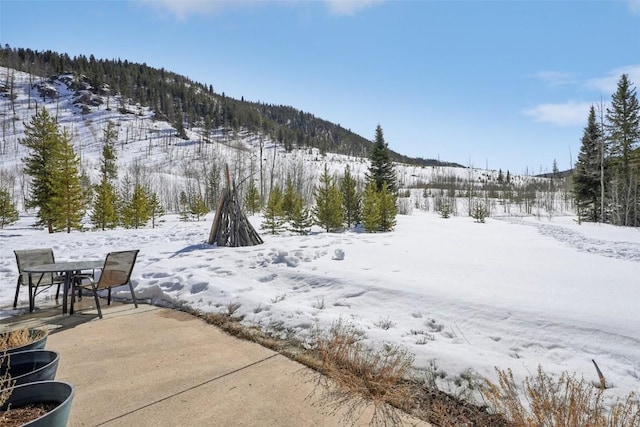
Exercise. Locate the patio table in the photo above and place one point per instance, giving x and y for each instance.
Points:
(68, 268)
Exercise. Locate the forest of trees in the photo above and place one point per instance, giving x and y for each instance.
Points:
(337, 201)
(186, 103)
(606, 180)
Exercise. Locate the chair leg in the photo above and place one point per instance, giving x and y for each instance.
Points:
(109, 296)
(95, 297)
(73, 300)
(58, 292)
(15, 300)
(133, 295)
(32, 296)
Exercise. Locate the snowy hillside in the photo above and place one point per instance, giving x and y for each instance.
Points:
(169, 161)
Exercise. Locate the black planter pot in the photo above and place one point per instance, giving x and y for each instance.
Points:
(33, 345)
(30, 366)
(57, 392)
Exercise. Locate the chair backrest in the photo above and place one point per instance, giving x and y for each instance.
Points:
(117, 269)
(30, 258)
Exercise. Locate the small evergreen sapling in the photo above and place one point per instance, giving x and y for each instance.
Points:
(273, 213)
(351, 199)
(300, 218)
(328, 210)
(198, 208)
(252, 199)
(479, 212)
(388, 208)
(444, 209)
(8, 212)
(371, 216)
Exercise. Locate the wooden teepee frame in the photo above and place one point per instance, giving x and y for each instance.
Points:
(230, 225)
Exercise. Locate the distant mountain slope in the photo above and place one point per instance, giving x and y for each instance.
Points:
(187, 104)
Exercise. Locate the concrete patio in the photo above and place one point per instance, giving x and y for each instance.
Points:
(155, 366)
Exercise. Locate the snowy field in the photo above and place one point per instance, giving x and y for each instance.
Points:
(462, 297)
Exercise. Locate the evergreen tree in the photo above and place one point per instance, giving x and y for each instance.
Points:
(371, 217)
(351, 199)
(108, 166)
(586, 176)
(184, 206)
(388, 208)
(42, 138)
(136, 211)
(328, 210)
(479, 212)
(156, 210)
(300, 217)
(381, 169)
(8, 212)
(105, 206)
(444, 207)
(105, 203)
(198, 207)
(289, 199)
(66, 203)
(623, 132)
(273, 213)
(555, 172)
(252, 198)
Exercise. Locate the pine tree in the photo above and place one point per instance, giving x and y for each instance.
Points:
(273, 213)
(623, 132)
(198, 207)
(184, 206)
(371, 217)
(252, 198)
(66, 203)
(381, 169)
(328, 210)
(136, 211)
(289, 199)
(42, 138)
(555, 172)
(156, 210)
(479, 212)
(586, 176)
(105, 203)
(300, 217)
(8, 212)
(351, 199)
(388, 208)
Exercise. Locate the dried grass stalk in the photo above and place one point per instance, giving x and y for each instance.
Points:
(20, 337)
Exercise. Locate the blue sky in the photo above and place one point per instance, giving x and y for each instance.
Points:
(504, 83)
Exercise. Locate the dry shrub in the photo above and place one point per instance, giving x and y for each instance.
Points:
(20, 337)
(567, 402)
(5, 380)
(361, 375)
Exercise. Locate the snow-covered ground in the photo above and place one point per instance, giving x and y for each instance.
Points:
(463, 297)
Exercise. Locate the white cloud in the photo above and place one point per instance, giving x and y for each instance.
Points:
(568, 114)
(609, 83)
(555, 78)
(349, 7)
(634, 5)
(182, 9)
